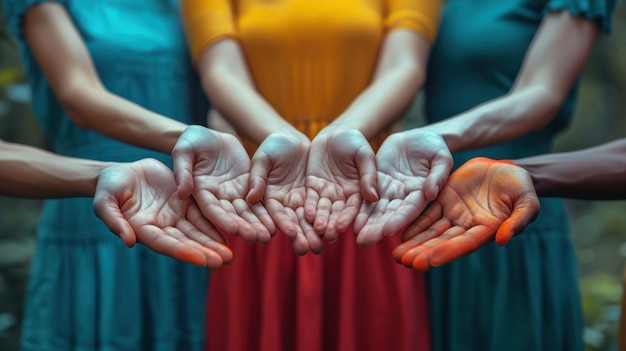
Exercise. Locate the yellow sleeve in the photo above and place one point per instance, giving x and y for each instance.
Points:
(421, 16)
(205, 22)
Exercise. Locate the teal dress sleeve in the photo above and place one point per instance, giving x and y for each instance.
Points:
(599, 11)
(14, 11)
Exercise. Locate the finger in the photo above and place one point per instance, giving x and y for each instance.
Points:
(212, 209)
(261, 213)
(331, 234)
(107, 209)
(285, 221)
(324, 206)
(422, 261)
(361, 218)
(310, 204)
(348, 214)
(195, 217)
(439, 172)
(406, 213)
(314, 241)
(261, 233)
(372, 232)
(525, 212)
(260, 167)
(368, 174)
(203, 242)
(244, 229)
(300, 243)
(156, 239)
(435, 230)
(470, 241)
(427, 219)
(183, 158)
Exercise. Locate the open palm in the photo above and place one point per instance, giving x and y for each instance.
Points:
(341, 172)
(139, 202)
(482, 201)
(215, 167)
(412, 167)
(277, 178)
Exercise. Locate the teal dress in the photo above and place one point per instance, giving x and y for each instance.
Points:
(523, 296)
(87, 291)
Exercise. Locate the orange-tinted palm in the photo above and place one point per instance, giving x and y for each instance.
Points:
(139, 202)
(277, 178)
(215, 168)
(482, 201)
(412, 167)
(341, 171)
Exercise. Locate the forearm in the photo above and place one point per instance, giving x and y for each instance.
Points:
(244, 108)
(498, 120)
(31, 172)
(596, 173)
(99, 110)
(399, 75)
(382, 103)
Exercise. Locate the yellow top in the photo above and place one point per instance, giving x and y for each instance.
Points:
(309, 58)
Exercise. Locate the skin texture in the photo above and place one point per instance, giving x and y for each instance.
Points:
(398, 76)
(484, 200)
(595, 173)
(137, 201)
(64, 59)
(542, 85)
(412, 166)
(215, 168)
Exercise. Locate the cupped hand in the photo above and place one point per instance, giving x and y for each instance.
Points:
(482, 201)
(412, 167)
(215, 168)
(277, 178)
(340, 173)
(138, 202)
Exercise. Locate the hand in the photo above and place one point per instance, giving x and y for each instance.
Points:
(138, 202)
(484, 199)
(215, 167)
(341, 171)
(277, 178)
(412, 167)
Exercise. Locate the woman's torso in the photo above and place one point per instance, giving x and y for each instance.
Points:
(310, 59)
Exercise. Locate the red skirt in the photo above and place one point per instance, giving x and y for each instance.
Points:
(347, 298)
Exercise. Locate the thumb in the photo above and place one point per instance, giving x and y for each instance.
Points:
(525, 210)
(183, 158)
(107, 209)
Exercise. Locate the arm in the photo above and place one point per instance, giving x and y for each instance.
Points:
(224, 72)
(137, 201)
(227, 81)
(399, 75)
(545, 79)
(597, 173)
(64, 59)
(35, 173)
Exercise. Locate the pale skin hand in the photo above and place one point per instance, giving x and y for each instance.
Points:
(215, 168)
(139, 202)
(341, 172)
(277, 178)
(412, 167)
(482, 201)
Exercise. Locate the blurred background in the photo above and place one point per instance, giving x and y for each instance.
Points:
(598, 228)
